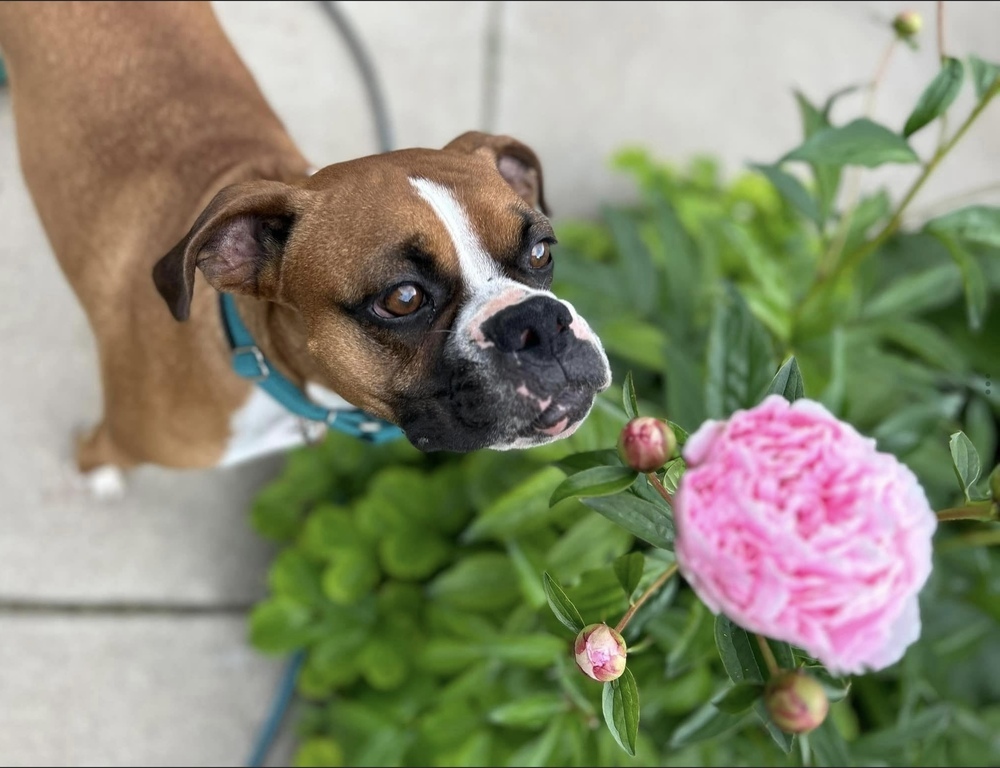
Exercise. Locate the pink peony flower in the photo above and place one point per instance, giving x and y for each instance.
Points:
(796, 527)
(600, 652)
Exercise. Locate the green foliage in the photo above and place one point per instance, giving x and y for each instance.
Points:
(437, 597)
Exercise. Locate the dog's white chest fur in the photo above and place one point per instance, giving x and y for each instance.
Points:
(263, 426)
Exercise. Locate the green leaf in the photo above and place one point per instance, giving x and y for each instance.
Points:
(598, 596)
(829, 747)
(590, 542)
(705, 723)
(628, 397)
(628, 569)
(739, 357)
(682, 268)
(530, 713)
(561, 605)
(965, 460)
(683, 374)
(974, 224)
(679, 432)
(293, 575)
(484, 581)
(319, 752)
(888, 742)
(739, 698)
(793, 190)
(620, 703)
(672, 477)
(352, 575)
(643, 519)
(577, 462)
(634, 259)
(787, 382)
(972, 278)
(937, 96)
(527, 575)
(827, 176)
(908, 426)
(916, 293)
(599, 481)
(280, 624)
(813, 119)
(926, 341)
(518, 510)
(743, 661)
(539, 752)
(984, 75)
(635, 341)
(860, 142)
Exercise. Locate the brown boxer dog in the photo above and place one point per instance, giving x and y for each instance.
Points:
(413, 285)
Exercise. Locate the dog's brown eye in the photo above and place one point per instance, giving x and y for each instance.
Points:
(402, 300)
(540, 256)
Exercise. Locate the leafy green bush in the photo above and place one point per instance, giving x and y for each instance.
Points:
(420, 586)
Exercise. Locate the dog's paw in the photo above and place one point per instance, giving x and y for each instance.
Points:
(68, 485)
(105, 483)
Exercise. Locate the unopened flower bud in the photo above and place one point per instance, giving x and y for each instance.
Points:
(645, 444)
(600, 652)
(796, 702)
(907, 24)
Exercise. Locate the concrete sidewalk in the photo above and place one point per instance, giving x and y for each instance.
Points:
(122, 634)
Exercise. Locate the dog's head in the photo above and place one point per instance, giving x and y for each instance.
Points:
(422, 279)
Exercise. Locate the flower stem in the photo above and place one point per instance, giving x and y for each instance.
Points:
(655, 482)
(660, 581)
(984, 511)
(765, 649)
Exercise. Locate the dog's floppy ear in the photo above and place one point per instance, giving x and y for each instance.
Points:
(237, 242)
(517, 163)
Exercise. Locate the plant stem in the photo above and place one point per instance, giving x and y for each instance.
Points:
(765, 649)
(655, 482)
(984, 511)
(663, 579)
(855, 257)
(985, 538)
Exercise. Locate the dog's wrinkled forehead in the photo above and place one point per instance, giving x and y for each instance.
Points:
(456, 209)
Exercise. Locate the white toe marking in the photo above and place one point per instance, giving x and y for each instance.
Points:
(106, 483)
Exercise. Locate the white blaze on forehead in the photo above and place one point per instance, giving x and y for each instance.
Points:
(476, 265)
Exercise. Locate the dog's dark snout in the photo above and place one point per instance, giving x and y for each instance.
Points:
(536, 326)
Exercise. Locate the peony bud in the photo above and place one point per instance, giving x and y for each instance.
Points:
(600, 652)
(646, 444)
(796, 702)
(907, 24)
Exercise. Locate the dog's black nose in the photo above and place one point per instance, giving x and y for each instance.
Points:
(535, 327)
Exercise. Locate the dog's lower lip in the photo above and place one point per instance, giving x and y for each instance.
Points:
(563, 404)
